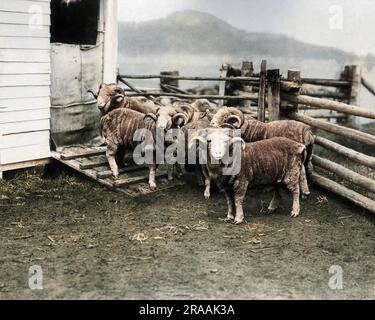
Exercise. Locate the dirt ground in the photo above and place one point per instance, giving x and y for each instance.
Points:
(95, 243)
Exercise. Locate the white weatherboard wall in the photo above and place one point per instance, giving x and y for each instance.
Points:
(24, 81)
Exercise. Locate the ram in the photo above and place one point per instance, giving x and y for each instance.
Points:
(111, 97)
(119, 128)
(276, 161)
(253, 130)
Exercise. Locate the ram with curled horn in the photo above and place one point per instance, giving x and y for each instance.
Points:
(253, 130)
(111, 97)
(276, 162)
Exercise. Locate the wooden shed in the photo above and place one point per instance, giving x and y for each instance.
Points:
(51, 53)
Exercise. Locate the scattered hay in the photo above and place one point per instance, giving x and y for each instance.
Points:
(321, 200)
(140, 237)
(200, 226)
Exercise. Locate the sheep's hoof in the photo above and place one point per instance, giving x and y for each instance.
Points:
(207, 196)
(294, 214)
(116, 177)
(305, 195)
(153, 186)
(238, 221)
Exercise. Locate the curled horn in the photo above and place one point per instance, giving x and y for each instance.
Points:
(228, 126)
(193, 140)
(189, 110)
(94, 94)
(234, 120)
(151, 116)
(177, 119)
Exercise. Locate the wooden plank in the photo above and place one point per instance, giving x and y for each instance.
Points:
(252, 80)
(20, 80)
(25, 164)
(262, 92)
(327, 82)
(346, 152)
(25, 126)
(93, 164)
(331, 105)
(223, 74)
(334, 128)
(273, 84)
(132, 180)
(16, 155)
(27, 115)
(24, 18)
(24, 68)
(110, 50)
(347, 174)
(92, 153)
(108, 173)
(15, 30)
(24, 43)
(24, 92)
(24, 55)
(19, 104)
(25, 139)
(344, 192)
(249, 96)
(367, 84)
(26, 6)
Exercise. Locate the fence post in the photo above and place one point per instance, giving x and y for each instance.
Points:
(295, 76)
(247, 70)
(169, 82)
(223, 74)
(273, 85)
(262, 92)
(353, 74)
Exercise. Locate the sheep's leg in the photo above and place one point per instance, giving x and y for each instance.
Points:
(170, 169)
(292, 183)
(275, 202)
(152, 177)
(207, 183)
(240, 188)
(230, 202)
(178, 170)
(303, 183)
(308, 162)
(111, 157)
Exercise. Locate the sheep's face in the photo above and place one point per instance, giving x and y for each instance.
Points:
(220, 118)
(164, 118)
(218, 141)
(110, 97)
(215, 140)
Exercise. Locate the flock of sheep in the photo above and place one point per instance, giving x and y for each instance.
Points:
(277, 153)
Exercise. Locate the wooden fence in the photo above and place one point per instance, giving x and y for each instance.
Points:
(268, 96)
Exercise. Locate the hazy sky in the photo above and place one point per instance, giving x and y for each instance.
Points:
(345, 24)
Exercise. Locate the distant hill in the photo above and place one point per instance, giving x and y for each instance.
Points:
(198, 33)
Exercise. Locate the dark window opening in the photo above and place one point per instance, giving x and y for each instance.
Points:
(75, 21)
